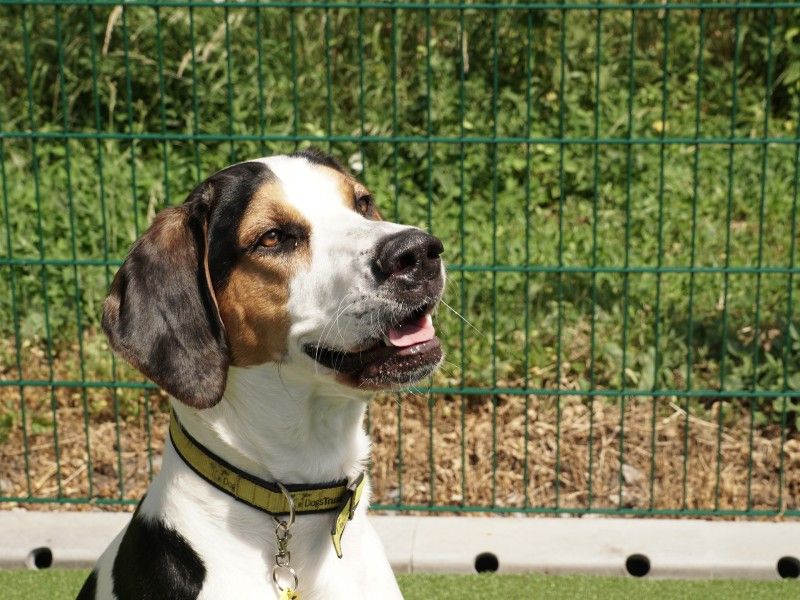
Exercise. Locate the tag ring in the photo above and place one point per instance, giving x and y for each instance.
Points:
(290, 500)
(287, 570)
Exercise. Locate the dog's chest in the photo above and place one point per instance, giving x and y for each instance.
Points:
(236, 546)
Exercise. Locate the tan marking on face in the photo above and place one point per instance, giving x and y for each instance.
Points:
(267, 209)
(350, 190)
(253, 303)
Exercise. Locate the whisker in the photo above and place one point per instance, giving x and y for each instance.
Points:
(460, 316)
(333, 321)
(283, 383)
(328, 328)
(456, 368)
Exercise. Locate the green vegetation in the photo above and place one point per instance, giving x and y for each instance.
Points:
(260, 81)
(55, 584)
(522, 587)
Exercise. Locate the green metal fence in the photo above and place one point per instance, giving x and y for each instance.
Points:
(616, 185)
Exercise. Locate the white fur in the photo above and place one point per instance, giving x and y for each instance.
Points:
(326, 301)
(289, 422)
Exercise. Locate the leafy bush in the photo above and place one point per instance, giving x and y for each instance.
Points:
(159, 98)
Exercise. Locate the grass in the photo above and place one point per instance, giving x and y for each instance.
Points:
(475, 587)
(55, 584)
(538, 236)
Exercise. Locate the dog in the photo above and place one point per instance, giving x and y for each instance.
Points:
(270, 305)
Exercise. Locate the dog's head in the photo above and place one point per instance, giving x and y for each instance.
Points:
(279, 260)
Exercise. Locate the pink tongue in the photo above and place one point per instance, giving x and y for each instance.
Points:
(409, 334)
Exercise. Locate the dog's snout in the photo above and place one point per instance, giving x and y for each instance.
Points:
(410, 256)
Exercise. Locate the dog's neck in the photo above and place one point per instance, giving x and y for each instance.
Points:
(281, 424)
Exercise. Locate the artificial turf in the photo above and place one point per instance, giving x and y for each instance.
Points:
(58, 584)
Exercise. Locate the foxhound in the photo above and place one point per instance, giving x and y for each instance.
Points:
(270, 305)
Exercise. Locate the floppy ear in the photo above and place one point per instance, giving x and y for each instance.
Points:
(161, 314)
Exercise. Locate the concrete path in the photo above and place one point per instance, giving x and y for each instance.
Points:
(662, 548)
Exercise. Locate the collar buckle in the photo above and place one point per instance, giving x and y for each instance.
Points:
(346, 511)
(353, 495)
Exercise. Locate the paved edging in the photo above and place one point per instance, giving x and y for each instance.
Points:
(675, 548)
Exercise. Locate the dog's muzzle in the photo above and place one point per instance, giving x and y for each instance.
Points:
(408, 270)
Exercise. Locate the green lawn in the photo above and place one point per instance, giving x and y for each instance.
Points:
(55, 584)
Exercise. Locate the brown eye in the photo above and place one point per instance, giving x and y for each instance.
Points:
(271, 239)
(364, 205)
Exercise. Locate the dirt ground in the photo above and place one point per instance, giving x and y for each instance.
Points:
(435, 469)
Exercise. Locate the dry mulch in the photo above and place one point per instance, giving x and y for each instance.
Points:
(501, 481)
(564, 452)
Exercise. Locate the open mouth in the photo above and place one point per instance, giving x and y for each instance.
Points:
(409, 351)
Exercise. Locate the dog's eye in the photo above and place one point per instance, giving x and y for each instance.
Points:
(272, 239)
(364, 205)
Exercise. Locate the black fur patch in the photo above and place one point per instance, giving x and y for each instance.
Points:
(89, 588)
(232, 190)
(155, 562)
(160, 313)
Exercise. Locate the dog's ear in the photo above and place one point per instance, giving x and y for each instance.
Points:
(161, 313)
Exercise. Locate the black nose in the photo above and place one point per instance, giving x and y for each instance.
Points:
(410, 256)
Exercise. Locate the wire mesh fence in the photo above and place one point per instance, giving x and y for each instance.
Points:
(616, 186)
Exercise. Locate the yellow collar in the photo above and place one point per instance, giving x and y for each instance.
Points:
(341, 497)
